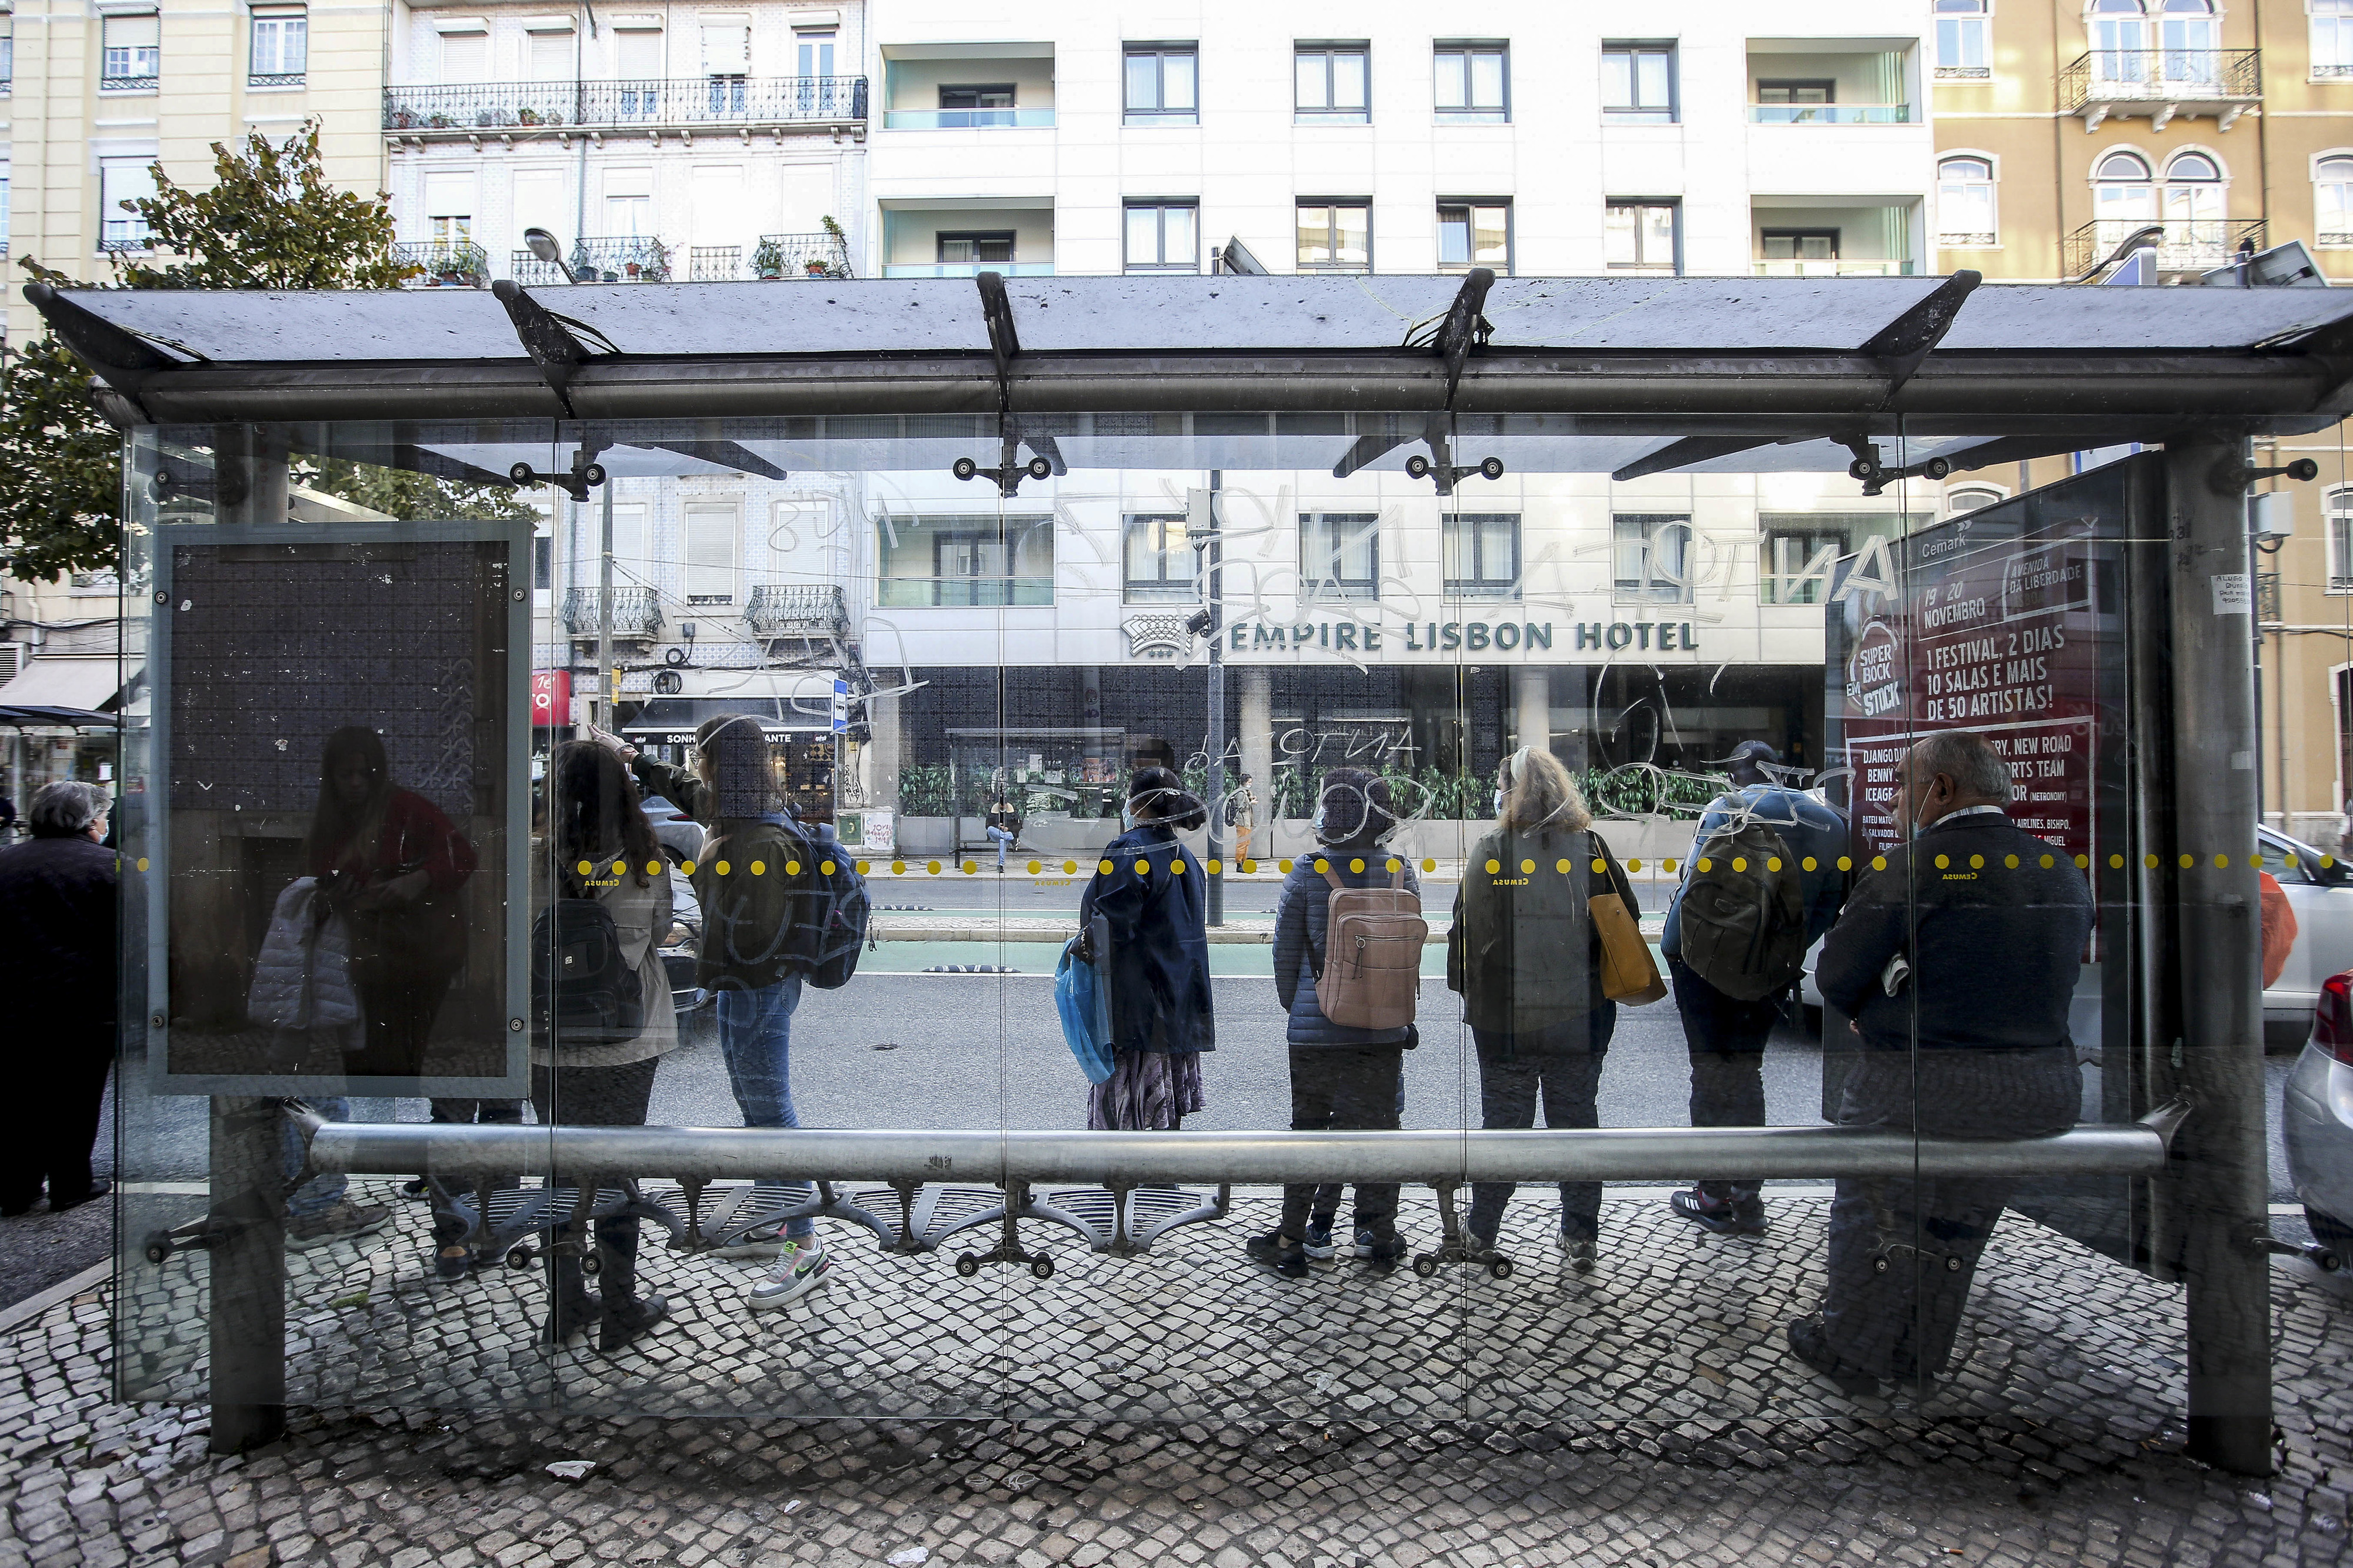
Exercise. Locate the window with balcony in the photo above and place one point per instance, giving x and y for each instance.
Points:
(813, 50)
(1336, 237)
(548, 52)
(2144, 43)
(1643, 237)
(1482, 555)
(2331, 23)
(966, 105)
(1963, 45)
(1474, 234)
(121, 180)
(1965, 214)
(1801, 245)
(465, 56)
(1650, 554)
(1332, 83)
(280, 48)
(1785, 101)
(1474, 82)
(981, 561)
(2123, 192)
(1163, 85)
(2332, 200)
(727, 65)
(1159, 566)
(1339, 556)
(131, 53)
(714, 530)
(2340, 540)
(1637, 83)
(2193, 198)
(1164, 236)
(982, 247)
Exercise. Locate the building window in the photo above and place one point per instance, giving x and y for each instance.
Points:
(1163, 86)
(1637, 83)
(1800, 243)
(133, 54)
(1158, 566)
(1162, 236)
(1482, 554)
(1651, 553)
(2193, 199)
(7, 55)
(1336, 237)
(1339, 556)
(813, 51)
(727, 65)
(1643, 237)
(2332, 200)
(712, 531)
(1965, 203)
(543, 562)
(2122, 192)
(1797, 564)
(2332, 39)
(466, 57)
(1969, 497)
(1333, 83)
(1961, 52)
(2340, 541)
(550, 53)
(995, 244)
(966, 105)
(1472, 81)
(966, 561)
(1474, 234)
(281, 46)
(120, 182)
(1787, 102)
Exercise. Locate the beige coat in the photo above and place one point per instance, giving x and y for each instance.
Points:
(642, 917)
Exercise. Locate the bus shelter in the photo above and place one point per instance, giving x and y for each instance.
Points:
(1024, 537)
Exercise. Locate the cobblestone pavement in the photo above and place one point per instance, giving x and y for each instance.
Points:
(1182, 1408)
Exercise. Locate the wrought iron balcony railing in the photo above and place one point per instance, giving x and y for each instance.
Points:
(459, 108)
(637, 612)
(2188, 245)
(600, 258)
(807, 609)
(445, 264)
(2115, 78)
(822, 255)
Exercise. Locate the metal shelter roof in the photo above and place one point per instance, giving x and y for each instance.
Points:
(1622, 375)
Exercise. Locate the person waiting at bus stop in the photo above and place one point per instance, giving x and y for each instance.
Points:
(1726, 1033)
(1142, 920)
(1955, 964)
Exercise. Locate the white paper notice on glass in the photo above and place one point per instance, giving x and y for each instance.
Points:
(2232, 595)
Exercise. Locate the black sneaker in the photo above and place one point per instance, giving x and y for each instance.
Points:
(1724, 1219)
(1374, 1248)
(1319, 1245)
(1288, 1256)
(1808, 1343)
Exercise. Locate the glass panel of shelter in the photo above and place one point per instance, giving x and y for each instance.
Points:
(318, 827)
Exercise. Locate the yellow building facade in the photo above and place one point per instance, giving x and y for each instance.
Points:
(2068, 130)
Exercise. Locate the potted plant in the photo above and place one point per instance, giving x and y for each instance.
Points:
(768, 260)
(815, 267)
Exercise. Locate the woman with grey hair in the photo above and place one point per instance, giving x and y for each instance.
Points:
(57, 954)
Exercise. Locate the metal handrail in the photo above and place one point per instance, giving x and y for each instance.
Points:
(1120, 1159)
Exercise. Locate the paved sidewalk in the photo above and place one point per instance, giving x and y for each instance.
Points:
(1643, 1414)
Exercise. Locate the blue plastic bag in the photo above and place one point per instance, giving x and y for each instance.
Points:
(1077, 997)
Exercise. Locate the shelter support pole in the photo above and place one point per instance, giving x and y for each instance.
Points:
(2216, 1183)
(608, 684)
(1214, 775)
(248, 1269)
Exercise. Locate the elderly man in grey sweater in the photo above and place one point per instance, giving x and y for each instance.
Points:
(1955, 964)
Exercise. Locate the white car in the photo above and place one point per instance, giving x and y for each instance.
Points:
(2322, 897)
(2316, 1119)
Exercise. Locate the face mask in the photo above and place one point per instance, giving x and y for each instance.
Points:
(1913, 828)
(1499, 803)
(1127, 819)
(1316, 824)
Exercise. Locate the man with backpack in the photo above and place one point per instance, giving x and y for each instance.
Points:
(1761, 885)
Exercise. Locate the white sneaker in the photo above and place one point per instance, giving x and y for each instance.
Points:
(764, 1242)
(801, 1268)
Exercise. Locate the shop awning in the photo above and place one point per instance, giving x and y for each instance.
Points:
(1653, 359)
(672, 720)
(56, 718)
(64, 682)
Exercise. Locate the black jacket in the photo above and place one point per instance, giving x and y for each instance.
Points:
(58, 926)
(1158, 962)
(1523, 950)
(1995, 949)
(1302, 919)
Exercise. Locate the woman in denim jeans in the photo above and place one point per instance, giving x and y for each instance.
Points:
(747, 906)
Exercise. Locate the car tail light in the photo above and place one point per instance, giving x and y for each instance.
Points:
(2332, 1019)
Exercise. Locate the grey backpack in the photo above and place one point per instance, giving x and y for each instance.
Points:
(1743, 913)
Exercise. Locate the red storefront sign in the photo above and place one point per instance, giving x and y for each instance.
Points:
(550, 698)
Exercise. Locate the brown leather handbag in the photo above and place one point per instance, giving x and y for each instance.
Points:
(1628, 972)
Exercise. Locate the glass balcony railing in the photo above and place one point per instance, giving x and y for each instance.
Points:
(969, 269)
(1794, 267)
(1829, 114)
(688, 100)
(964, 118)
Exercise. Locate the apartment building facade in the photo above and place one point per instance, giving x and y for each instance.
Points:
(2197, 129)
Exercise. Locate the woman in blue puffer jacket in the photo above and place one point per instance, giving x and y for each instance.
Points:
(1340, 1077)
(1144, 919)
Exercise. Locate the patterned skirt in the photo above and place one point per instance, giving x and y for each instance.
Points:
(1149, 1091)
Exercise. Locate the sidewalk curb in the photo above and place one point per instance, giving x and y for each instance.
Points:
(16, 1315)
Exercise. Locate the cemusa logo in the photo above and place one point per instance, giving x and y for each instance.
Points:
(1875, 679)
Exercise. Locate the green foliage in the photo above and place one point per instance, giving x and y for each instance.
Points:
(926, 789)
(1638, 790)
(269, 220)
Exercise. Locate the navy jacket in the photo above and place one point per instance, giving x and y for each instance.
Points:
(1301, 917)
(1994, 950)
(1158, 965)
(57, 927)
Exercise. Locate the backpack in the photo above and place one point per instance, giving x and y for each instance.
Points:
(1373, 938)
(584, 992)
(1540, 954)
(1744, 922)
(830, 910)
